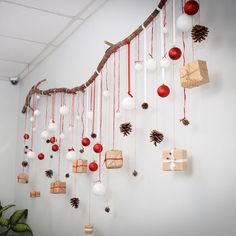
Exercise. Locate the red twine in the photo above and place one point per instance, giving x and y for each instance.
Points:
(114, 102)
(129, 72)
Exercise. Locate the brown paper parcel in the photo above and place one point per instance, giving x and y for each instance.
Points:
(88, 229)
(80, 166)
(23, 178)
(58, 187)
(114, 159)
(34, 194)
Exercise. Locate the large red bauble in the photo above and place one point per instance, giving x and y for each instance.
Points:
(55, 147)
(41, 156)
(93, 166)
(191, 7)
(53, 140)
(97, 148)
(26, 136)
(85, 142)
(175, 53)
(163, 91)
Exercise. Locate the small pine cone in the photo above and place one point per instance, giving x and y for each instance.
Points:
(107, 209)
(93, 135)
(24, 163)
(126, 128)
(51, 156)
(74, 202)
(156, 137)
(47, 141)
(81, 150)
(135, 173)
(67, 175)
(185, 122)
(145, 106)
(49, 173)
(199, 33)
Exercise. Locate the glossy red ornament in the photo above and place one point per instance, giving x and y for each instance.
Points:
(97, 148)
(41, 156)
(163, 91)
(85, 142)
(175, 53)
(191, 7)
(93, 166)
(26, 136)
(53, 140)
(55, 147)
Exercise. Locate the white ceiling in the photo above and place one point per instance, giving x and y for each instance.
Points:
(31, 29)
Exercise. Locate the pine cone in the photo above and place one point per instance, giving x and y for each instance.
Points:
(107, 209)
(67, 175)
(24, 163)
(74, 202)
(49, 173)
(185, 121)
(145, 105)
(81, 150)
(156, 137)
(199, 33)
(135, 173)
(126, 128)
(93, 135)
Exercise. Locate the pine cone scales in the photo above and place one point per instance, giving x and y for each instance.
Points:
(126, 128)
(199, 33)
(49, 173)
(74, 202)
(156, 137)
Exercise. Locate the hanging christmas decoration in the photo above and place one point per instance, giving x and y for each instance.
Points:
(184, 121)
(118, 115)
(97, 148)
(126, 129)
(164, 63)
(58, 187)
(184, 23)
(41, 156)
(38, 97)
(52, 140)
(138, 63)
(24, 163)
(88, 229)
(106, 93)
(86, 142)
(145, 105)
(26, 136)
(44, 134)
(163, 91)
(156, 137)
(107, 209)
(36, 112)
(128, 103)
(151, 64)
(135, 173)
(99, 189)
(62, 135)
(67, 175)
(80, 166)
(199, 33)
(23, 178)
(49, 173)
(35, 194)
(32, 119)
(93, 135)
(30, 154)
(74, 202)
(114, 159)
(191, 7)
(64, 110)
(71, 154)
(175, 53)
(93, 166)
(52, 126)
(55, 147)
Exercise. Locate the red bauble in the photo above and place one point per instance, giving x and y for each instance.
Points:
(97, 148)
(53, 140)
(55, 147)
(85, 142)
(191, 7)
(175, 53)
(41, 156)
(93, 166)
(163, 91)
(26, 136)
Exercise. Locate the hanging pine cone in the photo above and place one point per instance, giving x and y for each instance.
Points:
(67, 175)
(145, 106)
(156, 137)
(107, 209)
(49, 173)
(81, 150)
(135, 173)
(74, 202)
(199, 33)
(93, 135)
(185, 122)
(24, 163)
(126, 128)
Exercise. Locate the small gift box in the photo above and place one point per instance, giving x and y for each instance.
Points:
(80, 166)
(88, 229)
(114, 159)
(174, 160)
(58, 187)
(194, 74)
(23, 178)
(34, 194)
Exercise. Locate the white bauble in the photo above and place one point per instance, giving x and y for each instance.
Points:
(99, 188)
(118, 115)
(62, 136)
(32, 119)
(38, 97)
(52, 126)
(30, 154)
(89, 115)
(106, 93)
(71, 155)
(44, 134)
(138, 66)
(184, 23)
(36, 112)
(34, 129)
(64, 110)
(164, 63)
(128, 103)
(165, 30)
(78, 117)
(151, 64)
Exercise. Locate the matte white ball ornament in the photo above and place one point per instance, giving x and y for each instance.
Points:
(52, 126)
(32, 119)
(62, 136)
(138, 66)
(30, 154)
(118, 115)
(151, 64)
(89, 115)
(34, 129)
(64, 110)
(106, 93)
(99, 189)
(38, 97)
(71, 155)
(184, 23)
(44, 134)
(164, 63)
(36, 112)
(128, 103)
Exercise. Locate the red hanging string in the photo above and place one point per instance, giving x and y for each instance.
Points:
(164, 25)
(78, 104)
(114, 103)
(91, 99)
(106, 76)
(82, 117)
(118, 105)
(72, 123)
(129, 73)
(138, 48)
(46, 113)
(33, 124)
(53, 106)
(94, 106)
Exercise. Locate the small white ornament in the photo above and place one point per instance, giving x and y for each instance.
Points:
(128, 103)
(151, 64)
(106, 93)
(89, 115)
(34, 129)
(78, 117)
(32, 119)
(118, 115)
(71, 155)
(44, 134)
(38, 97)
(36, 112)
(184, 23)
(30, 154)
(164, 63)
(99, 189)
(70, 128)
(62, 136)
(64, 110)
(138, 66)
(52, 126)
(165, 30)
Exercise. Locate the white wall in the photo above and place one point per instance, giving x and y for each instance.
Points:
(200, 201)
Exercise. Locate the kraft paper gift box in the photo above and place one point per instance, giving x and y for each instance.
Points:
(23, 178)
(194, 74)
(174, 160)
(34, 194)
(80, 166)
(58, 187)
(114, 159)
(88, 229)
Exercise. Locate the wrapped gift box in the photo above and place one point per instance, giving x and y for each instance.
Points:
(23, 178)
(88, 229)
(80, 166)
(114, 159)
(58, 187)
(34, 194)
(194, 74)
(174, 160)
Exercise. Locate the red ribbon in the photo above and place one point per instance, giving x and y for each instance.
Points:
(129, 82)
